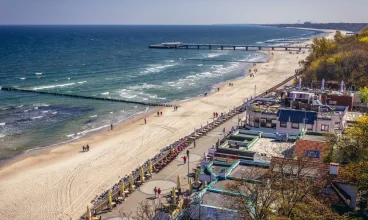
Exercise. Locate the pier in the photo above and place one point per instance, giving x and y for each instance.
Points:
(180, 45)
(83, 97)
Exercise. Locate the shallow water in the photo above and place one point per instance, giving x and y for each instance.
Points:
(109, 61)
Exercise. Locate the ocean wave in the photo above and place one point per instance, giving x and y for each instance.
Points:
(2, 135)
(144, 86)
(37, 117)
(138, 95)
(2, 123)
(22, 78)
(53, 86)
(200, 65)
(155, 68)
(93, 116)
(82, 82)
(38, 73)
(105, 93)
(213, 55)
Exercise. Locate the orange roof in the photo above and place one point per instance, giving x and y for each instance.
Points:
(302, 145)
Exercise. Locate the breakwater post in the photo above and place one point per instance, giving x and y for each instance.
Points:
(84, 97)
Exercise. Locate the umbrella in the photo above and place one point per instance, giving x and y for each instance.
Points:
(173, 195)
(131, 182)
(342, 86)
(109, 196)
(122, 190)
(190, 186)
(141, 174)
(89, 214)
(178, 183)
(150, 166)
(323, 84)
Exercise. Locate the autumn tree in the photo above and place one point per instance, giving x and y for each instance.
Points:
(363, 93)
(291, 189)
(338, 36)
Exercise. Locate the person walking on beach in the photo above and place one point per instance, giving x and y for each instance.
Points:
(158, 113)
(84, 149)
(194, 144)
(155, 190)
(112, 126)
(161, 113)
(87, 147)
(185, 159)
(158, 192)
(218, 89)
(145, 121)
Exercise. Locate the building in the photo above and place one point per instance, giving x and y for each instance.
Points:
(294, 113)
(308, 148)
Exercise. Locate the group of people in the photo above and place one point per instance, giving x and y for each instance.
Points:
(158, 114)
(176, 107)
(157, 191)
(85, 148)
(216, 114)
(231, 84)
(252, 74)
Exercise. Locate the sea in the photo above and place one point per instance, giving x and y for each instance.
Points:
(111, 62)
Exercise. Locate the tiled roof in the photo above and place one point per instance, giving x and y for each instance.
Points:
(297, 116)
(309, 168)
(302, 145)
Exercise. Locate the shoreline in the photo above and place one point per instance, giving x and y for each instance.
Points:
(45, 149)
(66, 174)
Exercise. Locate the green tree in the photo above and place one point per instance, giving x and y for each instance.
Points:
(338, 36)
(363, 93)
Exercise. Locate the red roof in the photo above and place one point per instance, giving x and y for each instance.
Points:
(303, 145)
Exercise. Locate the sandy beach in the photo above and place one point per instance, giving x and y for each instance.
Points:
(60, 182)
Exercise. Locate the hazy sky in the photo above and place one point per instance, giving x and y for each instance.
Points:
(180, 11)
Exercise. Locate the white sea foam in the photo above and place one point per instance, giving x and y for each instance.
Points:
(2, 135)
(213, 55)
(144, 86)
(82, 82)
(38, 73)
(54, 113)
(155, 68)
(200, 65)
(105, 93)
(53, 86)
(93, 116)
(2, 123)
(37, 117)
(22, 78)
(45, 112)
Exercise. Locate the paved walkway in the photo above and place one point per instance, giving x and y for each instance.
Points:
(166, 178)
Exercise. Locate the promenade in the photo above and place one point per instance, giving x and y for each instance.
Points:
(166, 179)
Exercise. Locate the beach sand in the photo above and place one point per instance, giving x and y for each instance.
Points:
(60, 182)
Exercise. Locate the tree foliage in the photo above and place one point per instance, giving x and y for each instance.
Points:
(290, 190)
(344, 58)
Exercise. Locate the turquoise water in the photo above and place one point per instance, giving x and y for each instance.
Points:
(109, 61)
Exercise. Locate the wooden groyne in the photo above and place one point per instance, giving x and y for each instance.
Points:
(83, 97)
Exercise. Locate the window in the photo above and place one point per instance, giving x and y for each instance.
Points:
(312, 153)
(332, 102)
(283, 124)
(324, 127)
(294, 125)
(309, 127)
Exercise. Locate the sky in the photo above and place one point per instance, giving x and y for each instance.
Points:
(181, 11)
